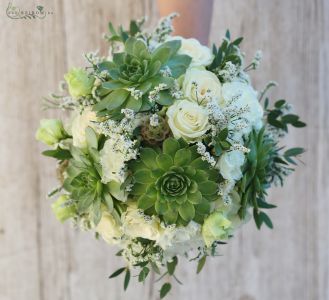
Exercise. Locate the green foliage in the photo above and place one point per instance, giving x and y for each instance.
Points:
(139, 69)
(127, 279)
(221, 143)
(227, 52)
(264, 165)
(279, 119)
(117, 272)
(83, 180)
(171, 266)
(174, 183)
(121, 35)
(201, 264)
(60, 154)
(143, 274)
(165, 289)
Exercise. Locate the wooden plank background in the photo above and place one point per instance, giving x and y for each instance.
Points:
(42, 260)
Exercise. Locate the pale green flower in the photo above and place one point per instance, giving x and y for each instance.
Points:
(62, 209)
(80, 83)
(51, 131)
(215, 228)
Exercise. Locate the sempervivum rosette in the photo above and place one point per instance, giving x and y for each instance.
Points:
(169, 148)
(174, 183)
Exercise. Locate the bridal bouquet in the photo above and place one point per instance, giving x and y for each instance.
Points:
(168, 149)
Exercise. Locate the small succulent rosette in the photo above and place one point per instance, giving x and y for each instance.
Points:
(168, 149)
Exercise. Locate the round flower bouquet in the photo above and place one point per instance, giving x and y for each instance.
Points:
(168, 150)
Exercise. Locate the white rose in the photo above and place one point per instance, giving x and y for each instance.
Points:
(112, 162)
(200, 85)
(230, 164)
(187, 120)
(245, 95)
(180, 240)
(136, 224)
(79, 125)
(109, 229)
(201, 55)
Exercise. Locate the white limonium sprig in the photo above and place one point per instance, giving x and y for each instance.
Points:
(154, 94)
(240, 147)
(154, 120)
(166, 72)
(229, 72)
(135, 93)
(176, 91)
(205, 155)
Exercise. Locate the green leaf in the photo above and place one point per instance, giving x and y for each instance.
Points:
(263, 204)
(182, 157)
(170, 147)
(161, 54)
(223, 134)
(293, 152)
(91, 138)
(165, 290)
(143, 274)
(257, 218)
(145, 202)
(187, 211)
(108, 200)
(149, 156)
(60, 154)
(171, 266)
(280, 103)
(266, 219)
(228, 34)
(116, 98)
(201, 264)
(195, 198)
(143, 176)
(127, 279)
(299, 124)
(208, 187)
(164, 161)
(117, 272)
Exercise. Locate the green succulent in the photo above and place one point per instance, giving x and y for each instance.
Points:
(138, 69)
(174, 183)
(83, 180)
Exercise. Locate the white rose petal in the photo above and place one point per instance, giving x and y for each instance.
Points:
(180, 240)
(187, 120)
(109, 229)
(201, 85)
(201, 55)
(79, 125)
(136, 224)
(113, 162)
(230, 164)
(245, 95)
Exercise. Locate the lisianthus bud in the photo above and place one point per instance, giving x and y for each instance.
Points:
(51, 131)
(62, 209)
(215, 228)
(80, 83)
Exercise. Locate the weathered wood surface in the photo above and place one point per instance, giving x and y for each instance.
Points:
(42, 260)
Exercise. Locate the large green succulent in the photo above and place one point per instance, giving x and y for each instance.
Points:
(83, 180)
(138, 69)
(174, 183)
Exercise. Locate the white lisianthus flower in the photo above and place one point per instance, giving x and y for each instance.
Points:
(200, 86)
(245, 96)
(109, 229)
(230, 210)
(230, 164)
(113, 162)
(78, 127)
(180, 240)
(187, 120)
(216, 228)
(136, 224)
(201, 55)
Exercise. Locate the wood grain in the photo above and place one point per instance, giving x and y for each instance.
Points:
(42, 260)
